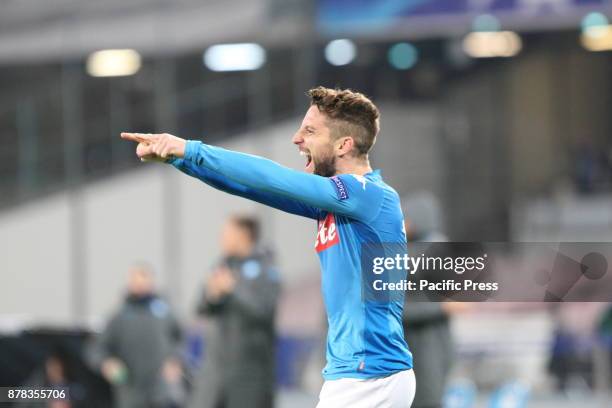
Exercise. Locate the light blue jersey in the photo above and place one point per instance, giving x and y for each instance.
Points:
(365, 338)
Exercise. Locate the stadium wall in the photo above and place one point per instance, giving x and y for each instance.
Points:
(159, 216)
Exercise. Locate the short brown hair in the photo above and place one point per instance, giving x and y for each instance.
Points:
(249, 224)
(354, 115)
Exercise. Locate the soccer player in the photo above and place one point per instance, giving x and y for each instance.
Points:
(368, 362)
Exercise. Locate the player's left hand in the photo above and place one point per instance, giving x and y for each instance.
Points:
(156, 147)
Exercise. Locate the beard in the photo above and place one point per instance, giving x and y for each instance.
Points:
(325, 166)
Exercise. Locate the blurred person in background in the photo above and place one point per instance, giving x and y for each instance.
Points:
(571, 355)
(139, 351)
(604, 333)
(240, 298)
(55, 374)
(426, 322)
(585, 171)
(591, 166)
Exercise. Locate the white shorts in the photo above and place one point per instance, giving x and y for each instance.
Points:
(394, 391)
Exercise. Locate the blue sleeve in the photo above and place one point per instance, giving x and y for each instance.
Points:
(222, 183)
(346, 194)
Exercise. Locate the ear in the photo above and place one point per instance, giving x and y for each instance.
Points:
(344, 145)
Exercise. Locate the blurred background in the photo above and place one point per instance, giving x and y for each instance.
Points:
(496, 126)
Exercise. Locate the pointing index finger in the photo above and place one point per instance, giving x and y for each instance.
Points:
(137, 137)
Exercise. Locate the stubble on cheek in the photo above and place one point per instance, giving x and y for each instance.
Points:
(325, 166)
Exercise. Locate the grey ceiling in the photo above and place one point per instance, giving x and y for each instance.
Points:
(35, 30)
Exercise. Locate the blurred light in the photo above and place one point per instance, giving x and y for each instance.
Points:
(235, 57)
(486, 22)
(403, 56)
(594, 19)
(112, 63)
(340, 52)
(492, 44)
(597, 38)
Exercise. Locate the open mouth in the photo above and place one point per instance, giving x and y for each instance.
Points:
(308, 158)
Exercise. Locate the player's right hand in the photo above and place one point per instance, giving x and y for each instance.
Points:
(156, 147)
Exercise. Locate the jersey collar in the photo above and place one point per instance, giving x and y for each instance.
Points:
(376, 173)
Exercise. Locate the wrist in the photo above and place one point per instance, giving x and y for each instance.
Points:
(191, 149)
(178, 154)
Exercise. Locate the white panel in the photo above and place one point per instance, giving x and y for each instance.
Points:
(408, 150)
(124, 225)
(35, 272)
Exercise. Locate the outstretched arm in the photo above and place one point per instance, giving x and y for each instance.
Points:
(223, 183)
(171, 150)
(344, 194)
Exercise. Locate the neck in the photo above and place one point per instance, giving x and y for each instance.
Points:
(242, 251)
(353, 166)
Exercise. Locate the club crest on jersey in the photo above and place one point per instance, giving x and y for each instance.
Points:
(327, 235)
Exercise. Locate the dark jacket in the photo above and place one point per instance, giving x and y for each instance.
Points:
(426, 324)
(427, 331)
(142, 334)
(239, 357)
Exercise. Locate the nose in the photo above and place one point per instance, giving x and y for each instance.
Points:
(297, 139)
